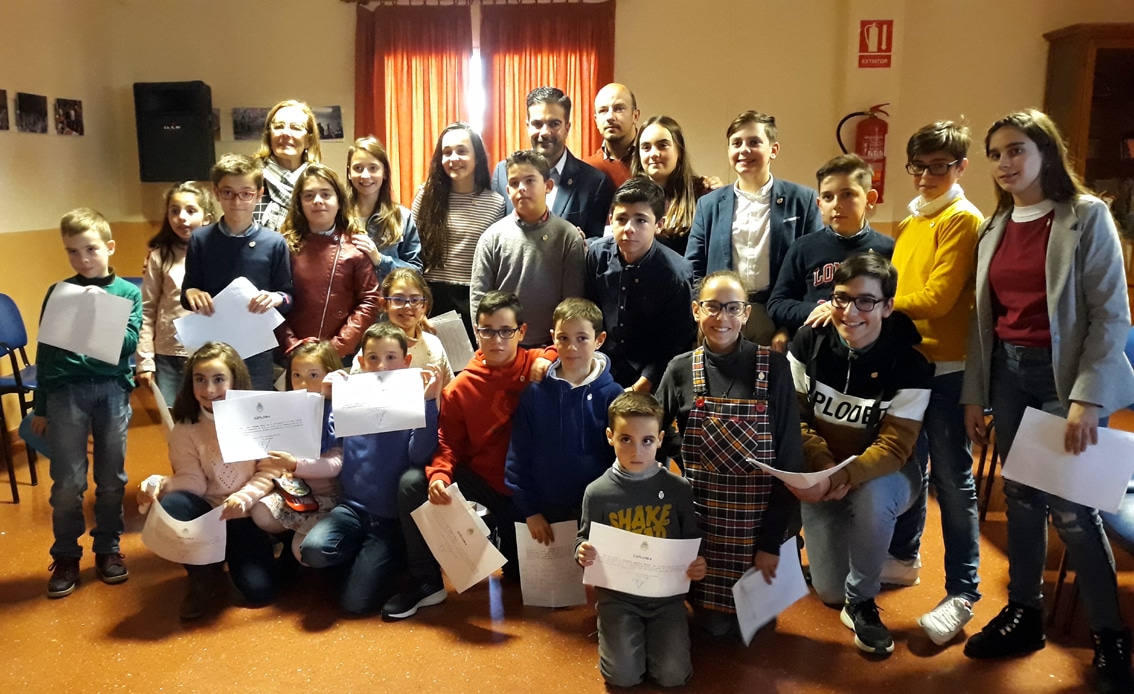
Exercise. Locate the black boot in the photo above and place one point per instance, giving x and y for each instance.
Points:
(1112, 662)
(1017, 630)
(206, 588)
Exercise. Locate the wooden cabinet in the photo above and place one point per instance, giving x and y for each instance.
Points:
(1090, 96)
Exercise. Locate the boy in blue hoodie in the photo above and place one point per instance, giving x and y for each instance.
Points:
(558, 442)
(366, 532)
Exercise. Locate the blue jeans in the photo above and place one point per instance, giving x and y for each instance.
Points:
(946, 459)
(641, 636)
(247, 550)
(370, 548)
(1023, 377)
(168, 375)
(847, 539)
(75, 411)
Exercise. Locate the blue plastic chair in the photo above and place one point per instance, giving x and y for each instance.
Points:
(21, 382)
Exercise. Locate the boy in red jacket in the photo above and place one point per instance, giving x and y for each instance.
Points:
(476, 417)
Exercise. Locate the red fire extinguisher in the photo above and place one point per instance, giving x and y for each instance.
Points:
(869, 143)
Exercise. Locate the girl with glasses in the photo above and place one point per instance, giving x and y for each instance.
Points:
(733, 403)
(336, 292)
(1051, 321)
(290, 142)
(406, 301)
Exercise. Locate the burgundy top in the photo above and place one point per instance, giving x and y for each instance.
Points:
(1018, 279)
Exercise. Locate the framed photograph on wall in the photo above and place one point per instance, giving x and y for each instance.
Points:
(69, 117)
(4, 109)
(31, 113)
(248, 123)
(329, 121)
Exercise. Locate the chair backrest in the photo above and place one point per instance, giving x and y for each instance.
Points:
(13, 335)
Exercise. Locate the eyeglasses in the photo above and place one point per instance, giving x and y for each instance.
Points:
(937, 168)
(298, 128)
(865, 304)
(414, 302)
(714, 308)
(504, 333)
(242, 195)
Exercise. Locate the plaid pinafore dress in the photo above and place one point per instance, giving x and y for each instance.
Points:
(730, 493)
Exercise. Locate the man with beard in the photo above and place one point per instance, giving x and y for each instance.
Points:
(616, 116)
(581, 193)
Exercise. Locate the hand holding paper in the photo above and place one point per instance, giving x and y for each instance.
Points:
(232, 321)
(801, 480)
(651, 567)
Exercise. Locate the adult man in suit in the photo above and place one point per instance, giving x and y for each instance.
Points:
(582, 193)
(616, 116)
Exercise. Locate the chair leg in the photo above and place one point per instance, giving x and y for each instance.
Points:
(988, 482)
(1059, 582)
(31, 465)
(8, 458)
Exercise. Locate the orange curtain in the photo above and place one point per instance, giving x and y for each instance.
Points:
(569, 46)
(411, 67)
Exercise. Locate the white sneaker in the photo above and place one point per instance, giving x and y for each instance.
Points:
(901, 572)
(946, 620)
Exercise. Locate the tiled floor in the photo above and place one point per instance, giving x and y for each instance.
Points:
(128, 638)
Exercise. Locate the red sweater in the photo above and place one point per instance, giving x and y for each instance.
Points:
(476, 418)
(1018, 278)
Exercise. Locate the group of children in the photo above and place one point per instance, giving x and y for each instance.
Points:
(553, 419)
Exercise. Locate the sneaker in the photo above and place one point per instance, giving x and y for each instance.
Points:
(111, 568)
(64, 577)
(1015, 631)
(206, 586)
(946, 620)
(1112, 662)
(901, 572)
(870, 634)
(406, 604)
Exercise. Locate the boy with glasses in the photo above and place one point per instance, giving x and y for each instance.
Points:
(935, 255)
(236, 246)
(862, 389)
(476, 418)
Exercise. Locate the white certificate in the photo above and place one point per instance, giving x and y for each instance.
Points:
(758, 602)
(801, 480)
(549, 574)
(370, 403)
(162, 406)
(199, 541)
(650, 567)
(250, 425)
(454, 338)
(455, 536)
(85, 320)
(1096, 478)
(232, 323)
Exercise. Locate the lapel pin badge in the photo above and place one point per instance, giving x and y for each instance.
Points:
(251, 244)
(779, 201)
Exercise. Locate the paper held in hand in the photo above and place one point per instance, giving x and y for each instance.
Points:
(758, 602)
(199, 541)
(549, 574)
(1096, 478)
(458, 540)
(251, 423)
(232, 323)
(801, 480)
(651, 567)
(450, 329)
(371, 403)
(85, 320)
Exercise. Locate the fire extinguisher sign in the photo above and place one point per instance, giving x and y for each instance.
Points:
(875, 43)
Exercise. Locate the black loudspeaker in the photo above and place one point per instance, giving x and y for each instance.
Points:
(175, 134)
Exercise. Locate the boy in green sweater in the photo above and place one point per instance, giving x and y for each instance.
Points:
(80, 395)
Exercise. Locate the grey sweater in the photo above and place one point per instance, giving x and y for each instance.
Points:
(542, 264)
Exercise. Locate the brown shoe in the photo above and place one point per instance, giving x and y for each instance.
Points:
(111, 567)
(64, 577)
